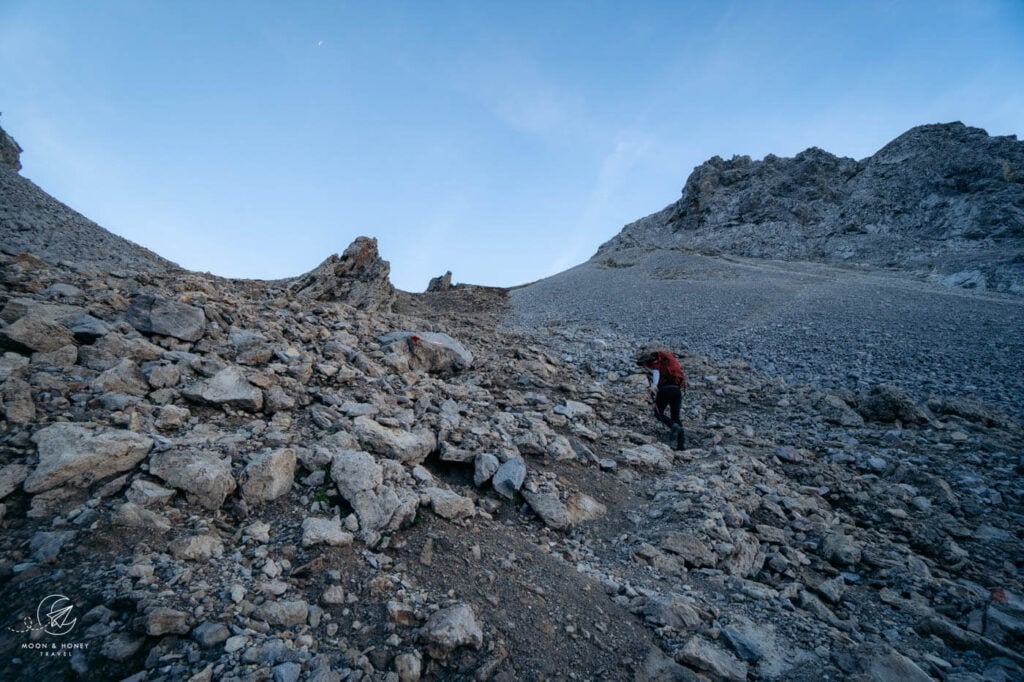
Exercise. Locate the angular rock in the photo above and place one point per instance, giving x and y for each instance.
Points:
(80, 456)
(16, 401)
(210, 634)
(120, 646)
(484, 467)
(284, 613)
(359, 278)
(147, 493)
(378, 505)
(155, 315)
(583, 507)
(884, 403)
(509, 477)
(201, 474)
(433, 352)
(46, 546)
(649, 456)
(449, 629)
(166, 621)
(124, 377)
(450, 505)
(228, 387)
(12, 476)
(705, 656)
(408, 447)
(132, 515)
(197, 548)
(549, 508)
(320, 531)
(694, 551)
(268, 476)
(34, 335)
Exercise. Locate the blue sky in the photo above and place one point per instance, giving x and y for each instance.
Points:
(504, 141)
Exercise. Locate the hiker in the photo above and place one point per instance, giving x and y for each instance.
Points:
(667, 385)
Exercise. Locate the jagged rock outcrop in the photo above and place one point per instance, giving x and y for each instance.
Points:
(945, 200)
(359, 277)
(10, 152)
(31, 221)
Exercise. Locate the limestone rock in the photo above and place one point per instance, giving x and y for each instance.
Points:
(268, 476)
(80, 456)
(320, 531)
(227, 387)
(449, 629)
(283, 613)
(359, 277)
(408, 447)
(885, 403)
(155, 315)
(34, 335)
(705, 656)
(485, 465)
(203, 475)
(10, 151)
(380, 502)
(429, 351)
(166, 621)
(449, 505)
(509, 477)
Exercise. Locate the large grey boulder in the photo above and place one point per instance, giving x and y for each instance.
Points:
(509, 477)
(78, 455)
(155, 315)
(227, 387)
(35, 335)
(203, 475)
(428, 351)
(269, 475)
(408, 447)
(377, 492)
(450, 628)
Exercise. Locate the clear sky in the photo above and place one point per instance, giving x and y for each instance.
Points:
(503, 141)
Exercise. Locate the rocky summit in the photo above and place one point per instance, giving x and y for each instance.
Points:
(945, 201)
(327, 479)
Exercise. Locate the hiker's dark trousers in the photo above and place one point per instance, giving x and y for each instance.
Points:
(670, 396)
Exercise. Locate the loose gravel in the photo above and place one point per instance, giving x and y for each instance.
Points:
(834, 328)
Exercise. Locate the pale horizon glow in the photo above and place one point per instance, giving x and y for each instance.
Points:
(502, 141)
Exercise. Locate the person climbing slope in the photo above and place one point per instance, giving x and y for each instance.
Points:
(667, 385)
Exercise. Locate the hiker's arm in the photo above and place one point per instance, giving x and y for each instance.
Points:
(655, 376)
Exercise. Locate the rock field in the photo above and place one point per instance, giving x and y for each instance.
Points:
(327, 479)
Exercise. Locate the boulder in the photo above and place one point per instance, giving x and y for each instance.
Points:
(268, 476)
(449, 629)
(34, 335)
(155, 315)
(884, 403)
(449, 505)
(227, 387)
(77, 455)
(320, 531)
(203, 475)
(379, 497)
(428, 351)
(509, 477)
(408, 447)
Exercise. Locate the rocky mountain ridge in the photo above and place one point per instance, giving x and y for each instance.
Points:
(945, 201)
(325, 479)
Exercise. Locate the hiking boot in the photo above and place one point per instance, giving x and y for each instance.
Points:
(678, 432)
